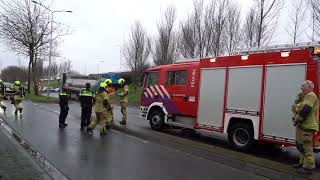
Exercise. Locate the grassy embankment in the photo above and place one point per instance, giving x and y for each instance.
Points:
(133, 97)
(42, 98)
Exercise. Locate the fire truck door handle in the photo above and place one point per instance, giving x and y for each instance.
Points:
(185, 98)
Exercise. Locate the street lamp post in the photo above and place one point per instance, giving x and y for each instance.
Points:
(50, 45)
(99, 64)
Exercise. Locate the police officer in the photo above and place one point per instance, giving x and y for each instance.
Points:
(2, 91)
(306, 120)
(123, 93)
(102, 106)
(17, 98)
(87, 101)
(64, 96)
(111, 92)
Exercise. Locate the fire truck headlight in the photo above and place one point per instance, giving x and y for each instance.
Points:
(285, 54)
(317, 50)
(213, 60)
(245, 57)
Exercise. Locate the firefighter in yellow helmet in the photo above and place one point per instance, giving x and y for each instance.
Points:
(123, 93)
(2, 91)
(111, 92)
(306, 120)
(102, 106)
(17, 98)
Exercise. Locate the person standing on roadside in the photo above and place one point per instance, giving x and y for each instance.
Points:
(64, 97)
(306, 120)
(86, 100)
(123, 94)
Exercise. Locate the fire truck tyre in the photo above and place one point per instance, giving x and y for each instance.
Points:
(157, 120)
(240, 136)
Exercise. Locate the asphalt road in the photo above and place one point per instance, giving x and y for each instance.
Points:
(115, 156)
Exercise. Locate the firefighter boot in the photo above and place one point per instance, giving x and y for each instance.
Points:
(103, 133)
(20, 110)
(89, 130)
(304, 171)
(123, 122)
(298, 165)
(61, 126)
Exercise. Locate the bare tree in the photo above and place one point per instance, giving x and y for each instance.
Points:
(13, 73)
(267, 18)
(53, 69)
(187, 41)
(315, 8)
(24, 26)
(233, 32)
(136, 51)
(65, 67)
(220, 23)
(191, 38)
(203, 33)
(297, 16)
(250, 28)
(165, 46)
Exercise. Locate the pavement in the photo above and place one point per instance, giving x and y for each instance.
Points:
(137, 152)
(15, 163)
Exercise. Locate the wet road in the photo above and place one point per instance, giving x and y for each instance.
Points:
(283, 155)
(115, 156)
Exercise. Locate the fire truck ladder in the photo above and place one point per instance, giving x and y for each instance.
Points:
(283, 47)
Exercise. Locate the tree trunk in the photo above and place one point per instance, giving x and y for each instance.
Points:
(34, 71)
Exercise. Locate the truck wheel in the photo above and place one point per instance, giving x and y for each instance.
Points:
(240, 136)
(157, 120)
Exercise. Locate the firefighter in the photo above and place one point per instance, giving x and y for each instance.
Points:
(2, 91)
(17, 98)
(86, 100)
(306, 120)
(64, 97)
(111, 92)
(102, 106)
(123, 93)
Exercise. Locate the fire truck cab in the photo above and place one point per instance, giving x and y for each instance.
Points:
(247, 96)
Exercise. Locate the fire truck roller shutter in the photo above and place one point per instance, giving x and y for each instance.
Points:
(211, 100)
(281, 87)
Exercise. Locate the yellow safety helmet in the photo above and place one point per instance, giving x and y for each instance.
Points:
(17, 82)
(108, 81)
(121, 81)
(103, 85)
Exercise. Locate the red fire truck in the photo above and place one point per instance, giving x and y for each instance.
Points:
(247, 96)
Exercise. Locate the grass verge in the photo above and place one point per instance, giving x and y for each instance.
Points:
(41, 99)
(133, 96)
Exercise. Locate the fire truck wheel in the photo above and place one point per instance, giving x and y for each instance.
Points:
(240, 136)
(157, 120)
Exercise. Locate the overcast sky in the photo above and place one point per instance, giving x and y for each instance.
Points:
(99, 27)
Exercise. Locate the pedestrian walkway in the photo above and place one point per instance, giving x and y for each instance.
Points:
(15, 164)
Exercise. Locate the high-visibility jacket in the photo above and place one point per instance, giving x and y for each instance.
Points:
(312, 120)
(64, 97)
(86, 98)
(102, 99)
(123, 93)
